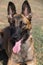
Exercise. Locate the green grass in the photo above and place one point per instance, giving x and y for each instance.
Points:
(38, 43)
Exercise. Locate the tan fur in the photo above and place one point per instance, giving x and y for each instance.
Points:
(1, 31)
(33, 62)
(11, 62)
(26, 21)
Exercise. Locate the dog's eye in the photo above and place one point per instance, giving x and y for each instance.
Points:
(22, 23)
(2, 34)
(13, 21)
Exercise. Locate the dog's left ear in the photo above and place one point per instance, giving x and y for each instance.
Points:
(1, 33)
(11, 9)
(26, 10)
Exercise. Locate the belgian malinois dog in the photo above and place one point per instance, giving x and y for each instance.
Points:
(18, 42)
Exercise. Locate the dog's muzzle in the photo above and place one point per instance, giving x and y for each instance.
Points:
(17, 35)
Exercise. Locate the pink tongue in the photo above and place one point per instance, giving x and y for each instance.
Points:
(17, 48)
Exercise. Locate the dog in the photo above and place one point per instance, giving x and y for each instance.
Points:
(18, 42)
(1, 40)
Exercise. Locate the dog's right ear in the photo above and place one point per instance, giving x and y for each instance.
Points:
(11, 9)
(26, 10)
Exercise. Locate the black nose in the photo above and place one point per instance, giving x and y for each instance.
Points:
(14, 36)
(17, 34)
(1, 44)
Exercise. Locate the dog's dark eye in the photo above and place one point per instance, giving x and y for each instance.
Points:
(2, 34)
(13, 23)
(22, 23)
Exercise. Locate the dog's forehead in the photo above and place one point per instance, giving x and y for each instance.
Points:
(18, 17)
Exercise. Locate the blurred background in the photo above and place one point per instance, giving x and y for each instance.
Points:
(37, 23)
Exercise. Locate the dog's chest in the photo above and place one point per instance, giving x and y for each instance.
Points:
(22, 55)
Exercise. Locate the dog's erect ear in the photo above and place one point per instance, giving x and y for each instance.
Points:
(11, 9)
(1, 33)
(26, 9)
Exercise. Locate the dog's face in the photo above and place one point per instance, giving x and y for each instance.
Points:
(21, 27)
(19, 24)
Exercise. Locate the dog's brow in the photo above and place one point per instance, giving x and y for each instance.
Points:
(17, 17)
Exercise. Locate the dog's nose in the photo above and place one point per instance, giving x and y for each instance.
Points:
(14, 36)
(1, 44)
(17, 34)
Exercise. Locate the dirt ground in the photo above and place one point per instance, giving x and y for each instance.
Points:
(37, 23)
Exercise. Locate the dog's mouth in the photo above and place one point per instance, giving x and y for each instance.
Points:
(17, 47)
(17, 40)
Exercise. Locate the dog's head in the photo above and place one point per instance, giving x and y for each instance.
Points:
(20, 24)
